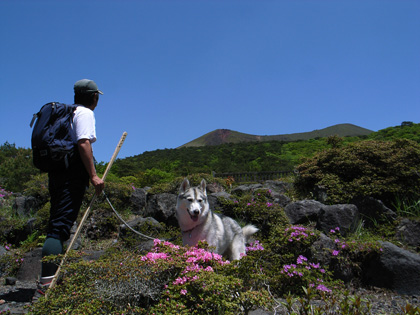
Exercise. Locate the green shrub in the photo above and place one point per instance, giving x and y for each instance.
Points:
(12, 226)
(42, 217)
(256, 208)
(16, 167)
(195, 179)
(381, 169)
(11, 261)
(37, 187)
(350, 253)
(118, 193)
(287, 265)
(153, 176)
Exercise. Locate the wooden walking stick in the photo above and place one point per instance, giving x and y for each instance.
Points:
(76, 234)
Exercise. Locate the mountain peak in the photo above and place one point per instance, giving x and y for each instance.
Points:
(221, 136)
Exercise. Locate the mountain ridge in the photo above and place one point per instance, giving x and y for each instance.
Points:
(221, 136)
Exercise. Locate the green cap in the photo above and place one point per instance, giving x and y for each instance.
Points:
(86, 86)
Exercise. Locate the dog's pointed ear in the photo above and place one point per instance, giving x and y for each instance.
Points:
(184, 186)
(203, 186)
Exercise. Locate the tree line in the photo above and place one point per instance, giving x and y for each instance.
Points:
(153, 166)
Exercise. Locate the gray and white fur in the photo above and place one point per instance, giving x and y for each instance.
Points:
(198, 222)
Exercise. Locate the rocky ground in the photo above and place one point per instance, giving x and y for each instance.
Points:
(16, 297)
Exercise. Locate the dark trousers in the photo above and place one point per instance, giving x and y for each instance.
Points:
(67, 189)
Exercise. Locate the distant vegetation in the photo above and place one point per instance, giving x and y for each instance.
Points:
(16, 167)
(157, 166)
(246, 156)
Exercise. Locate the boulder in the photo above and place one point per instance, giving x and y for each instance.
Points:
(141, 243)
(303, 211)
(100, 225)
(243, 189)
(280, 199)
(138, 200)
(373, 211)
(18, 233)
(214, 188)
(78, 242)
(395, 268)
(277, 186)
(215, 200)
(137, 224)
(24, 205)
(31, 266)
(10, 281)
(343, 216)
(3, 251)
(408, 231)
(320, 250)
(93, 254)
(162, 207)
(3, 266)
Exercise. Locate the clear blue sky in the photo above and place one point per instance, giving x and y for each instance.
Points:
(174, 70)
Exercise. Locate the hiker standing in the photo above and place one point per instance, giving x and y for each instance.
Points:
(67, 186)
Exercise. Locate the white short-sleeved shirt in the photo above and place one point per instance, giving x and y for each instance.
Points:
(84, 124)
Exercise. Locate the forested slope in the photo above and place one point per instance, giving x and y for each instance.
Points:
(247, 156)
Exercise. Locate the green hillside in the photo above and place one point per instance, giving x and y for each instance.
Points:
(243, 157)
(16, 166)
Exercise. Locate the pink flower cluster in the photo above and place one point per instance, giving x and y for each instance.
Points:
(152, 256)
(323, 288)
(256, 245)
(293, 270)
(195, 258)
(254, 202)
(297, 233)
(4, 193)
(197, 255)
(337, 229)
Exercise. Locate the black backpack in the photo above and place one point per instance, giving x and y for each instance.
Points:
(54, 143)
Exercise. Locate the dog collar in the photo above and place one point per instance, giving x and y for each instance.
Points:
(188, 231)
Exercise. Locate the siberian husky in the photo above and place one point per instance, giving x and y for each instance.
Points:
(198, 222)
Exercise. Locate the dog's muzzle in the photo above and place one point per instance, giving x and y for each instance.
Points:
(194, 214)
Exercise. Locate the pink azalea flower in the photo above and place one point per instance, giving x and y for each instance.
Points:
(323, 288)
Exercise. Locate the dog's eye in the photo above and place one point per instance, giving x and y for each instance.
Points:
(190, 199)
(200, 200)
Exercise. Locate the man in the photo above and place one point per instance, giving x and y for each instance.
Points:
(67, 187)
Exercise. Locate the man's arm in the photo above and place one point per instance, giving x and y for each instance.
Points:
(85, 150)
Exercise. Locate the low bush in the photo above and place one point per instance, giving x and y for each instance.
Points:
(257, 208)
(37, 187)
(380, 169)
